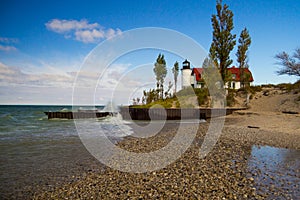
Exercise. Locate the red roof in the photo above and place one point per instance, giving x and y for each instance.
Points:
(197, 72)
(233, 70)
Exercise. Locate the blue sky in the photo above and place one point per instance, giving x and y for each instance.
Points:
(44, 43)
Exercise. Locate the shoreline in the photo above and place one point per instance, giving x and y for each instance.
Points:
(223, 173)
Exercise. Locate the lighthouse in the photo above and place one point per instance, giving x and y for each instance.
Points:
(186, 74)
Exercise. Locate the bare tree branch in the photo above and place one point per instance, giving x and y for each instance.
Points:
(291, 65)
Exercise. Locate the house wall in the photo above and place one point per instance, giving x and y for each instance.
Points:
(236, 84)
(188, 80)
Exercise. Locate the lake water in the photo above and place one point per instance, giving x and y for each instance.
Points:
(275, 170)
(37, 152)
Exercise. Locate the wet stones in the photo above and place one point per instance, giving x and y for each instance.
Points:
(223, 174)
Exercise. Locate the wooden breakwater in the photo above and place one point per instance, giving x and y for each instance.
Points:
(130, 113)
(76, 115)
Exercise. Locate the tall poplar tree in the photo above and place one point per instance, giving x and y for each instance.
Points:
(223, 40)
(175, 71)
(242, 57)
(160, 71)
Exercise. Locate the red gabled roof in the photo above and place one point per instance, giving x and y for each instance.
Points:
(237, 72)
(233, 70)
(197, 72)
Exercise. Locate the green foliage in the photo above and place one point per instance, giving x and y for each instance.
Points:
(150, 96)
(160, 71)
(202, 95)
(210, 74)
(250, 89)
(291, 64)
(244, 43)
(183, 95)
(168, 93)
(285, 86)
(267, 85)
(254, 89)
(289, 86)
(282, 86)
(185, 92)
(230, 101)
(166, 103)
(223, 40)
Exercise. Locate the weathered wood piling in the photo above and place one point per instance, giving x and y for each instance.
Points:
(130, 113)
(75, 115)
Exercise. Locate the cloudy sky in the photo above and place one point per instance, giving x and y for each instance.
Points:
(44, 44)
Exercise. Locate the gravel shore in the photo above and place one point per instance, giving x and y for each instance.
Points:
(223, 174)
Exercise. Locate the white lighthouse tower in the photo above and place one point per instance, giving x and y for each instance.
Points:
(186, 74)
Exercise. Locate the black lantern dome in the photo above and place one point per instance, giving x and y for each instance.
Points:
(185, 64)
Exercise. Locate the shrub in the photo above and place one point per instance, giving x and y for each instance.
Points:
(185, 92)
(230, 98)
(289, 86)
(202, 98)
(254, 89)
(268, 85)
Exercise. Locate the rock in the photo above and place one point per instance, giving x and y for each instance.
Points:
(266, 93)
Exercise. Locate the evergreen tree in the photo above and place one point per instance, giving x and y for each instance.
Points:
(242, 57)
(223, 40)
(160, 71)
(175, 71)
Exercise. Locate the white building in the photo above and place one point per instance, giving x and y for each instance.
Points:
(193, 77)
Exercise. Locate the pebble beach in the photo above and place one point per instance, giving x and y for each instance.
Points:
(229, 171)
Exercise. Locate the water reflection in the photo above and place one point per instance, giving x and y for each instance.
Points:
(275, 171)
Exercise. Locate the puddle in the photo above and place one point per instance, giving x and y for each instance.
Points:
(276, 171)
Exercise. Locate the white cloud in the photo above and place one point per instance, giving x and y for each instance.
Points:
(81, 30)
(62, 26)
(14, 76)
(5, 70)
(48, 85)
(89, 36)
(7, 48)
(55, 77)
(8, 40)
(111, 33)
